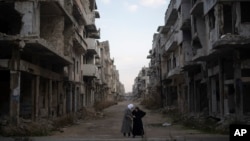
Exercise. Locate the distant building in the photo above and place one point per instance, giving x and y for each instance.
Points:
(141, 83)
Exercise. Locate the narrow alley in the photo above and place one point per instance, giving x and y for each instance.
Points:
(108, 128)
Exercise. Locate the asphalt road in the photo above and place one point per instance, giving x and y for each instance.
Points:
(108, 129)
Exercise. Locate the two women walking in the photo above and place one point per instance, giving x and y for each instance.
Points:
(133, 115)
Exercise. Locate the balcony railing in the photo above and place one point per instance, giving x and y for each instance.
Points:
(79, 12)
(171, 43)
(92, 46)
(173, 72)
(90, 70)
(230, 41)
(94, 33)
(171, 14)
(80, 43)
(185, 19)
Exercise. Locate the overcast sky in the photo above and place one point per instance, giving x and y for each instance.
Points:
(129, 26)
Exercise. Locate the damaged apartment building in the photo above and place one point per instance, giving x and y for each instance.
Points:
(51, 59)
(141, 85)
(200, 58)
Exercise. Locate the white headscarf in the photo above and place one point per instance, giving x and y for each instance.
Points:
(130, 106)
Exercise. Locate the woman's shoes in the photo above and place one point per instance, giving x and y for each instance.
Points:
(124, 134)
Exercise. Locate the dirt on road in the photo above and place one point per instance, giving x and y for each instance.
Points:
(108, 128)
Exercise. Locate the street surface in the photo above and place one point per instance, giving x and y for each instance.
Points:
(108, 129)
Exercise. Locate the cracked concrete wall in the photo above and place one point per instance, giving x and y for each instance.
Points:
(30, 17)
(52, 28)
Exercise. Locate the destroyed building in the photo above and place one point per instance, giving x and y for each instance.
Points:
(50, 58)
(199, 60)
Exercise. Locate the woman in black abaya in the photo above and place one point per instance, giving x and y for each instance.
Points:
(137, 122)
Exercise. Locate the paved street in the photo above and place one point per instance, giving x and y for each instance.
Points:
(108, 129)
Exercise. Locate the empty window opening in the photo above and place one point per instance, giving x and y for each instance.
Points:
(77, 66)
(10, 19)
(174, 61)
(211, 19)
(228, 21)
(196, 43)
(245, 16)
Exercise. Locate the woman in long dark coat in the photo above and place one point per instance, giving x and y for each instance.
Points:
(127, 120)
(137, 122)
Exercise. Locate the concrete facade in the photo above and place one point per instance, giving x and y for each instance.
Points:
(111, 85)
(199, 57)
(141, 84)
(49, 58)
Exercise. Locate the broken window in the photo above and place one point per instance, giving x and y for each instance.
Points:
(245, 16)
(169, 65)
(228, 21)
(195, 24)
(77, 66)
(211, 19)
(10, 19)
(174, 61)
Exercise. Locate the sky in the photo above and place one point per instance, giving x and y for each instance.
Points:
(129, 26)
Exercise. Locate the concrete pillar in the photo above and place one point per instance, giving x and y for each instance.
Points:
(70, 100)
(37, 90)
(179, 104)
(64, 99)
(50, 97)
(14, 96)
(60, 97)
(238, 85)
(73, 98)
(47, 97)
(209, 95)
(195, 97)
(35, 97)
(67, 99)
(15, 77)
(221, 87)
(188, 95)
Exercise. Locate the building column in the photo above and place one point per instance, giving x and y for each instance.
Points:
(35, 97)
(15, 77)
(50, 97)
(74, 98)
(47, 97)
(238, 85)
(70, 98)
(209, 95)
(15, 96)
(221, 87)
(60, 97)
